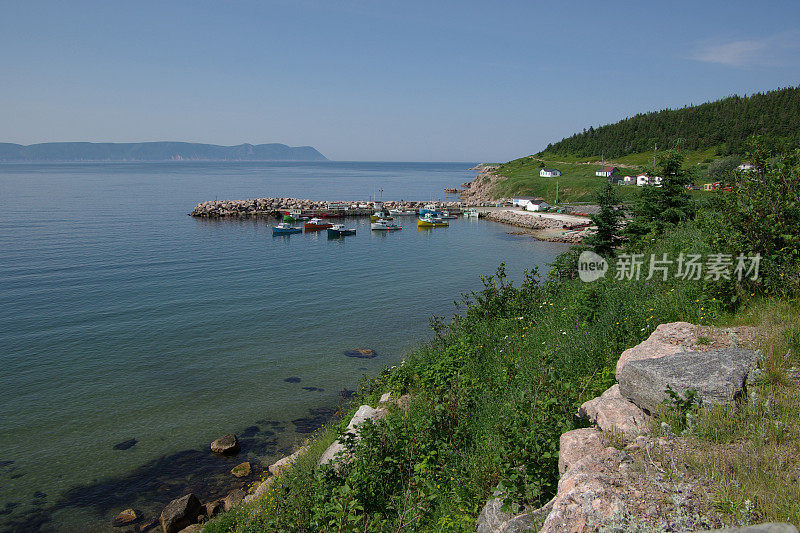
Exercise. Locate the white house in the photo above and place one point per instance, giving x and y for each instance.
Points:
(537, 205)
(549, 173)
(529, 203)
(629, 180)
(644, 179)
(522, 201)
(606, 172)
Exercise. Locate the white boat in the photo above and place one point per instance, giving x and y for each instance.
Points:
(471, 213)
(384, 225)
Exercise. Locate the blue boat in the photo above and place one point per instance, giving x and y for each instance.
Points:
(338, 230)
(284, 228)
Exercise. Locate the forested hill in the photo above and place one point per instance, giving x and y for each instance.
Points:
(726, 123)
(156, 151)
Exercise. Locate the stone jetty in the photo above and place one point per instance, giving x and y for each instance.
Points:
(270, 206)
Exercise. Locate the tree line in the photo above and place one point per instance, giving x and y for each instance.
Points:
(774, 116)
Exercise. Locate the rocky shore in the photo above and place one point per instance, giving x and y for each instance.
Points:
(480, 190)
(614, 473)
(552, 228)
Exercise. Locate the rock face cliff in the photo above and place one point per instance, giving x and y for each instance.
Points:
(613, 473)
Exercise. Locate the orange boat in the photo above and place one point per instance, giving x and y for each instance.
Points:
(316, 224)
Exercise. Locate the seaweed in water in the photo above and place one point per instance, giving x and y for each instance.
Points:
(293, 379)
(127, 444)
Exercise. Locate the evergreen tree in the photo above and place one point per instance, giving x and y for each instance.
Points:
(663, 205)
(726, 123)
(608, 235)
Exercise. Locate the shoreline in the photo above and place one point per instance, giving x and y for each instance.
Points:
(550, 227)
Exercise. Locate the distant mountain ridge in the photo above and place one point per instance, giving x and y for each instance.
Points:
(156, 151)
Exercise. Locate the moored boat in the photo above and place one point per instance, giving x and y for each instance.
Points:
(429, 221)
(384, 225)
(378, 216)
(338, 230)
(284, 228)
(471, 213)
(316, 224)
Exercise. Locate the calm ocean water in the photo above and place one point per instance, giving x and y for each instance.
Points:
(122, 318)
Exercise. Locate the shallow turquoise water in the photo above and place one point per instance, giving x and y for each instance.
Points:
(123, 318)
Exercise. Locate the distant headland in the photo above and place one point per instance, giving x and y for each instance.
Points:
(156, 151)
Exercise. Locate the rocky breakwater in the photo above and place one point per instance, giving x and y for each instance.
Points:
(269, 206)
(614, 474)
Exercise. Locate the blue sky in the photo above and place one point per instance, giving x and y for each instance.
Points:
(376, 80)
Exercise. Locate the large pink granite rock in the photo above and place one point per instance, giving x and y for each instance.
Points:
(666, 339)
(587, 493)
(577, 444)
(613, 412)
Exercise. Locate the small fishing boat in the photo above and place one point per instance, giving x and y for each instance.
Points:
(289, 218)
(446, 214)
(338, 230)
(316, 224)
(378, 216)
(384, 225)
(429, 221)
(284, 228)
(471, 213)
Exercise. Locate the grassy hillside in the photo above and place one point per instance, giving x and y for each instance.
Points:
(726, 124)
(493, 391)
(578, 183)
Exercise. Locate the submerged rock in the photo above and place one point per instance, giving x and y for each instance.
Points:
(361, 353)
(227, 445)
(242, 470)
(718, 376)
(180, 513)
(293, 379)
(124, 445)
(128, 516)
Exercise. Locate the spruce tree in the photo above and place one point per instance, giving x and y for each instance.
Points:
(607, 237)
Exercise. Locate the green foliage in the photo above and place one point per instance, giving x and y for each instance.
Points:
(728, 122)
(682, 406)
(661, 207)
(607, 237)
(503, 378)
(724, 170)
(762, 215)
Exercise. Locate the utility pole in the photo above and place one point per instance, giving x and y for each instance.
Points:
(655, 149)
(556, 191)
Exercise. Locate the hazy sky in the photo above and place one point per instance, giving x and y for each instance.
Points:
(376, 80)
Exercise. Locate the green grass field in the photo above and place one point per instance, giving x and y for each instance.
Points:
(578, 183)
